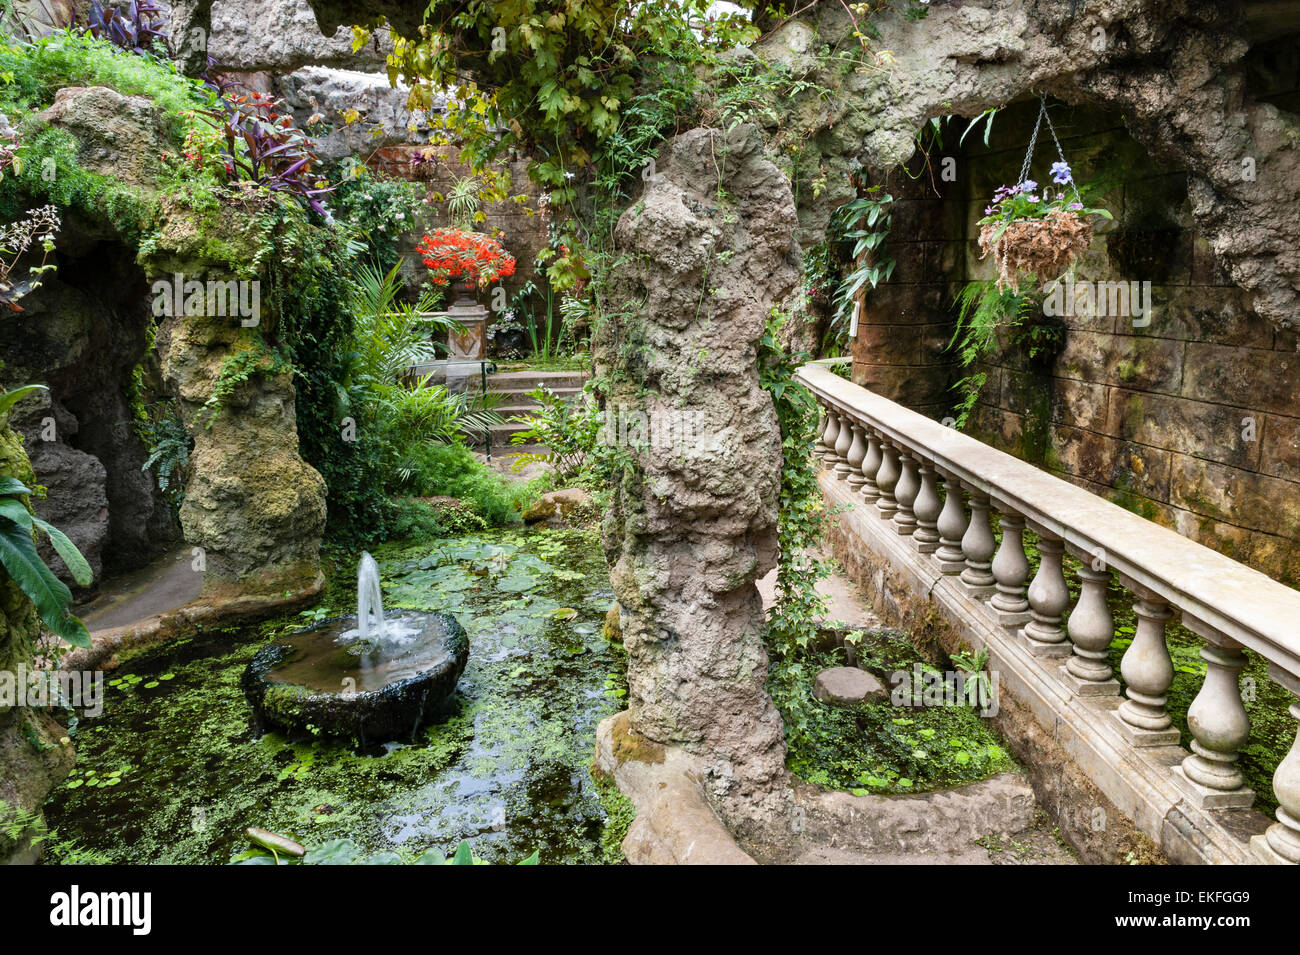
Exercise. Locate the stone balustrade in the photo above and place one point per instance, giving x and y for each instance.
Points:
(895, 461)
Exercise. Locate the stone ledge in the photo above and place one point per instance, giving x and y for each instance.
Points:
(674, 823)
(1139, 783)
(206, 612)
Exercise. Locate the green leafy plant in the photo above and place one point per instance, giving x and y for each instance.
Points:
(568, 427)
(389, 335)
(792, 624)
(169, 444)
(865, 222)
(24, 565)
(376, 211)
(982, 309)
(976, 664)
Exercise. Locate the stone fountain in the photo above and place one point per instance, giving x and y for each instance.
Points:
(373, 677)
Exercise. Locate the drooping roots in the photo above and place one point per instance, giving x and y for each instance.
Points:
(1045, 247)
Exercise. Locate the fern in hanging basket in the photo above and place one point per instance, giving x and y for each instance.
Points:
(1033, 234)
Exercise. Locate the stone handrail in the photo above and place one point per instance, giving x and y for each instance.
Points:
(896, 459)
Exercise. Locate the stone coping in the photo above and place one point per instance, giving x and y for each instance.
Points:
(1217, 596)
(207, 612)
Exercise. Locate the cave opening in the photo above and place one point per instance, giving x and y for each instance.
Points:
(88, 336)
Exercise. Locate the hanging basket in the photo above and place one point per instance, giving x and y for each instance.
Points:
(1043, 247)
(1029, 233)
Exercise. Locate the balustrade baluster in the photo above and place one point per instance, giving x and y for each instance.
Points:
(857, 450)
(1091, 629)
(886, 480)
(1220, 727)
(927, 507)
(951, 527)
(905, 493)
(870, 467)
(978, 544)
(1281, 843)
(1011, 572)
(1048, 598)
(843, 442)
(1148, 672)
(829, 436)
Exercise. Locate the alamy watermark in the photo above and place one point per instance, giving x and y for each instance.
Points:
(1068, 297)
(925, 686)
(666, 428)
(235, 298)
(49, 689)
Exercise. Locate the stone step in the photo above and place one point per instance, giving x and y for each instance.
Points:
(501, 432)
(521, 398)
(511, 450)
(522, 381)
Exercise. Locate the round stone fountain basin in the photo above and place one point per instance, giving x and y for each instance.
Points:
(328, 679)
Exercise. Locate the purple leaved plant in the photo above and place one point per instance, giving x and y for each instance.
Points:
(262, 145)
(139, 27)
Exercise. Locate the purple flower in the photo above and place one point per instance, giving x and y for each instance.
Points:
(988, 210)
(1076, 206)
(1061, 173)
(1027, 186)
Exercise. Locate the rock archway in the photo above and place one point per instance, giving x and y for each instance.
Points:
(84, 335)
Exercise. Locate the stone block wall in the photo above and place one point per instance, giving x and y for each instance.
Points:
(1189, 416)
(905, 324)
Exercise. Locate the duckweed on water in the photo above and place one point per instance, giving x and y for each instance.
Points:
(172, 771)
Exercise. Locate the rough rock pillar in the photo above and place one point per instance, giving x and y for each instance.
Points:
(702, 258)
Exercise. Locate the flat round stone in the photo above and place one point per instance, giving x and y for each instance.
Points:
(845, 685)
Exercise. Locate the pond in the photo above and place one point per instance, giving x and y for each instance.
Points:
(173, 772)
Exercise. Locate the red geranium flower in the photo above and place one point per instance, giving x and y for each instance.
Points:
(454, 253)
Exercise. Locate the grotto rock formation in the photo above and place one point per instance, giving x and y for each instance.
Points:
(281, 35)
(253, 509)
(385, 120)
(1174, 69)
(704, 256)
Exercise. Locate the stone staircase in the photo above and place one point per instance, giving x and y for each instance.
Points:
(513, 387)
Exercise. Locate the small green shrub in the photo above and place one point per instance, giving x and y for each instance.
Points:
(570, 429)
(451, 470)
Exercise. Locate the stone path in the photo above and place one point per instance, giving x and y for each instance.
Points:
(1036, 846)
(167, 583)
(846, 607)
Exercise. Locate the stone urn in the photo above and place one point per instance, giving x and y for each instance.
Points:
(470, 342)
(466, 292)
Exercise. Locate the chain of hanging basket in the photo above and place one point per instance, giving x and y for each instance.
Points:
(1043, 114)
(1027, 235)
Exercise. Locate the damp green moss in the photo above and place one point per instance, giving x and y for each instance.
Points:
(882, 747)
(620, 813)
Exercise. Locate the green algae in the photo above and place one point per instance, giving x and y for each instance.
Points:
(505, 770)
